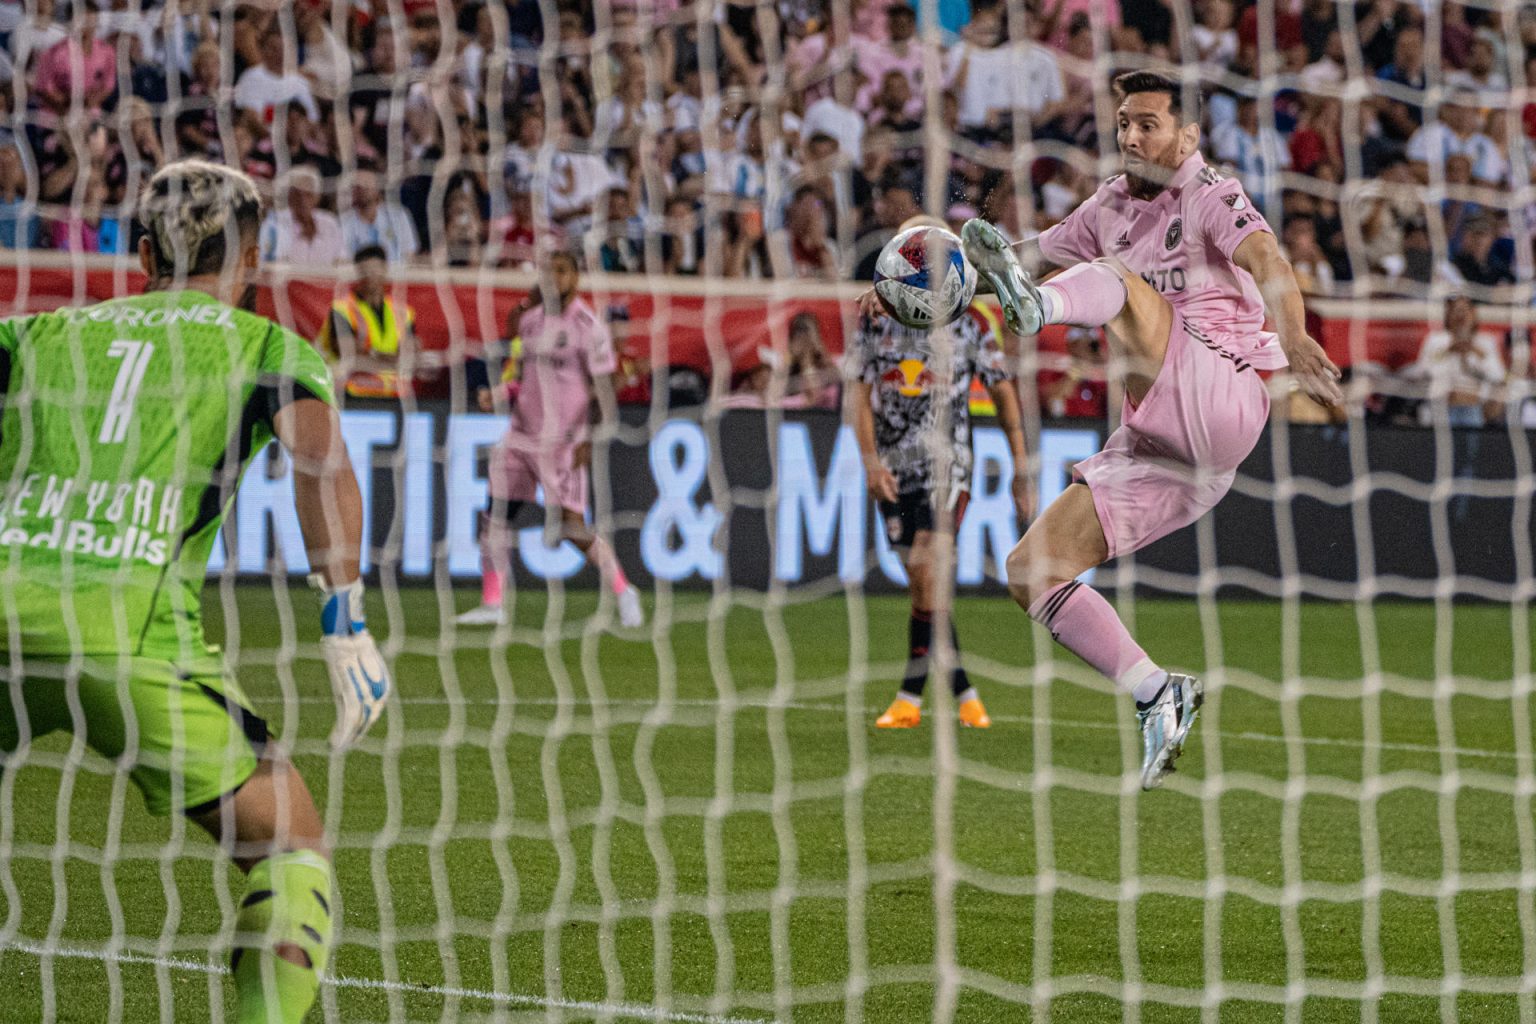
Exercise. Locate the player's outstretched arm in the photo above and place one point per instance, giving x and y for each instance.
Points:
(1259, 254)
(330, 510)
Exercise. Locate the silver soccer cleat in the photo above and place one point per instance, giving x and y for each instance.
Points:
(993, 258)
(1165, 726)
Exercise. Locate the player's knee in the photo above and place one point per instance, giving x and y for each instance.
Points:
(1018, 568)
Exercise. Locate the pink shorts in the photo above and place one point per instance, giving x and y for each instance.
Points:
(1176, 454)
(519, 464)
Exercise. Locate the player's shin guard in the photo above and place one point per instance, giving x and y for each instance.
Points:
(285, 915)
(1087, 295)
(1084, 623)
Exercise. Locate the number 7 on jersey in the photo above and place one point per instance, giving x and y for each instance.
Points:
(125, 390)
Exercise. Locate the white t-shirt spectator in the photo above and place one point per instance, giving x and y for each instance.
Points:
(391, 228)
(613, 112)
(828, 117)
(283, 242)
(1218, 47)
(262, 91)
(576, 180)
(1258, 157)
(1016, 75)
(1476, 372)
(1434, 143)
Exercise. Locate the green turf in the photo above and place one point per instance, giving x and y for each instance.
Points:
(698, 852)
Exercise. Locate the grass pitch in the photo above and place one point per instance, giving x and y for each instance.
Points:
(702, 818)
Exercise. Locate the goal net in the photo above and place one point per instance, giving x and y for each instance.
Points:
(565, 818)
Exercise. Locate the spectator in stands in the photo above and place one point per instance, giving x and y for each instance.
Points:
(1255, 151)
(512, 235)
(1215, 36)
(1461, 368)
(895, 106)
(1476, 259)
(834, 115)
(993, 78)
(266, 86)
(297, 230)
(18, 216)
(1329, 68)
(527, 135)
(463, 243)
(1319, 137)
(1401, 117)
(806, 250)
(372, 221)
(622, 249)
(1484, 73)
(90, 226)
(80, 69)
(895, 204)
(365, 332)
(323, 60)
(900, 53)
(682, 239)
(1314, 275)
(1458, 132)
(620, 120)
(36, 35)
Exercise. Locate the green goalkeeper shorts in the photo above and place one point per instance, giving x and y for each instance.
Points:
(182, 730)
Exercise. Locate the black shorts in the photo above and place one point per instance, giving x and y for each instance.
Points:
(915, 510)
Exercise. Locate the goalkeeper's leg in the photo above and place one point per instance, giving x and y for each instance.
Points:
(271, 829)
(574, 528)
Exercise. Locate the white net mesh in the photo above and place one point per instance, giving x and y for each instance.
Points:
(565, 819)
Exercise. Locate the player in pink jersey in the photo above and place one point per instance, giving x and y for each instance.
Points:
(567, 365)
(1174, 261)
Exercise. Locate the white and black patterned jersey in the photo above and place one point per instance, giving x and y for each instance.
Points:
(911, 372)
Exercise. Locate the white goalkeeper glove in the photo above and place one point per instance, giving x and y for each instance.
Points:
(359, 677)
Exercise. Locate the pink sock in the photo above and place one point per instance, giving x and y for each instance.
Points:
(1088, 295)
(490, 583)
(1084, 623)
(602, 556)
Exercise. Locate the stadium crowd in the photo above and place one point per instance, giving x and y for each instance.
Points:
(781, 139)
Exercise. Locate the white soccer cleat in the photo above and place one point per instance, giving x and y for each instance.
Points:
(1165, 725)
(631, 615)
(483, 615)
(994, 259)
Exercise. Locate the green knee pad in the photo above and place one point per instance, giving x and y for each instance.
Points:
(288, 903)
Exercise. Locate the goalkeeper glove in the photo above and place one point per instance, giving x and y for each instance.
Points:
(359, 677)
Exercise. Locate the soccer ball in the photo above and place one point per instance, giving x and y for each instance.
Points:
(923, 278)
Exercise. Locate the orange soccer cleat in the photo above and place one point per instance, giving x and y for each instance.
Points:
(973, 715)
(902, 714)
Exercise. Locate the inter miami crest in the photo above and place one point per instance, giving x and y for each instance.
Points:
(1174, 235)
(1234, 201)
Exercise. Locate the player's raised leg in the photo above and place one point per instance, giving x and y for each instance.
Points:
(271, 829)
(1042, 571)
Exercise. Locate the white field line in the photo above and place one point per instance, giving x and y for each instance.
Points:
(1064, 723)
(624, 1011)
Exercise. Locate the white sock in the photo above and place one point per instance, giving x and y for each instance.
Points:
(1051, 306)
(914, 699)
(969, 694)
(1144, 679)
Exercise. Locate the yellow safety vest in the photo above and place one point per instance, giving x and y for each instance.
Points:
(373, 336)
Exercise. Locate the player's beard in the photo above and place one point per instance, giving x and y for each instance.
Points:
(1154, 176)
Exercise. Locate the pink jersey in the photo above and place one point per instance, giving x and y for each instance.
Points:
(561, 357)
(1181, 243)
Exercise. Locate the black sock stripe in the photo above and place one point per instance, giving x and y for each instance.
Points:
(324, 904)
(1060, 599)
(314, 936)
(254, 897)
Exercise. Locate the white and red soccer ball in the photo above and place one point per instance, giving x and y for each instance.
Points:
(923, 278)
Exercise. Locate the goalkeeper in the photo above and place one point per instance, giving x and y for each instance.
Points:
(125, 429)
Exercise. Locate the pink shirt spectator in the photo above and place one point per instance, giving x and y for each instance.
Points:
(1100, 12)
(66, 64)
(1181, 243)
(562, 356)
(875, 60)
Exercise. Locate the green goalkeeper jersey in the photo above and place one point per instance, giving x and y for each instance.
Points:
(125, 430)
